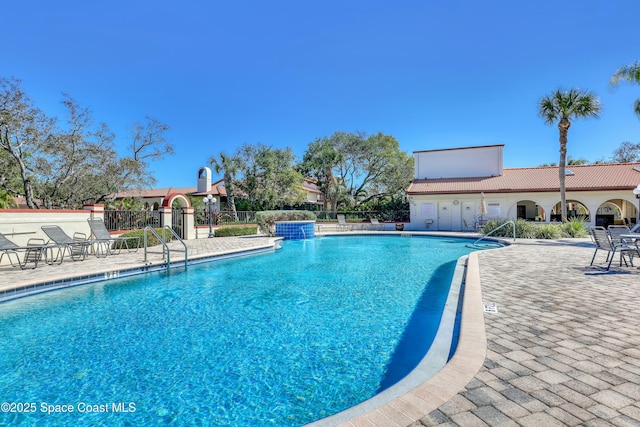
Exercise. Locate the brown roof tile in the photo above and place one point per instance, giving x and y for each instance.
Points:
(623, 176)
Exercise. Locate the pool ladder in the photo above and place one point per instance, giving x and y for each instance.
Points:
(166, 252)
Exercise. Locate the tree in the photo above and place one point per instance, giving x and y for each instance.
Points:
(358, 168)
(631, 74)
(23, 130)
(564, 106)
(318, 163)
(269, 177)
(73, 162)
(627, 152)
(148, 143)
(72, 159)
(229, 166)
(576, 162)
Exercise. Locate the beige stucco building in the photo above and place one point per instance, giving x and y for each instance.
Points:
(453, 188)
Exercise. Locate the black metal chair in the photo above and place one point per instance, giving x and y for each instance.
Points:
(604, 242)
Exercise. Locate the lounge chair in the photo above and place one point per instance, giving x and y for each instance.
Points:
(77, 246)
(603, 241)
(342, 223)
(32, 253)
(105, 242)
(375, 224)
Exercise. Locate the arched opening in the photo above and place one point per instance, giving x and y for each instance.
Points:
(177, 202)
(575, 209)
(530, 210)
(616, 212)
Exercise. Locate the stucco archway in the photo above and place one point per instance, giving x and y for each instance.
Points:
(575, 209)
(527, 209)
(180, 198)
(616, 212)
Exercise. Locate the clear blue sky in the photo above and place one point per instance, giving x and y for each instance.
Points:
(432, 73)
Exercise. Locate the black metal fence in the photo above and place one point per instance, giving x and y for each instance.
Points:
(130, 220)
(201, 217)
(365, 216)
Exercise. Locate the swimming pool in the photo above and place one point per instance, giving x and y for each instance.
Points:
(280, 339)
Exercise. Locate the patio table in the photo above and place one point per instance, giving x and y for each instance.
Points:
(631, 236)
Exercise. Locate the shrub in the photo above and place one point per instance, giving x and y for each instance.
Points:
(151, 239)
(531, 230)
(574, 228)
(246, 230)
(548, 231)
(267, 219)
(524, 229)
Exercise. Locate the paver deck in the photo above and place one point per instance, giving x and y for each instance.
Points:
(562, 349)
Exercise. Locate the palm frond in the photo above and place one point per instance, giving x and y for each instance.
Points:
(628, 73)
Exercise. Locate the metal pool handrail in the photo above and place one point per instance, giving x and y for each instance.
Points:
(165, 246)
(496, 229)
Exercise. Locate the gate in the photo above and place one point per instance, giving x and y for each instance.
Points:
(177, 219)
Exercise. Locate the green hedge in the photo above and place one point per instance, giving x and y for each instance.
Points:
(247, 230)
(267, 219)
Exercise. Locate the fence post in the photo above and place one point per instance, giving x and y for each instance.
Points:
(165, 216)
(96, 211)
(188, 227)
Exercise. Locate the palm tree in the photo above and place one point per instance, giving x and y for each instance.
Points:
(229, 166)
(564, 106)
(629, 73)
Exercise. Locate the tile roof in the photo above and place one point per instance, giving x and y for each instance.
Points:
(161, 192)
(614, 176)
(311, 186)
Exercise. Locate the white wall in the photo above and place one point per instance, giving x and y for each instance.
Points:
(19, 225)
(459, 162)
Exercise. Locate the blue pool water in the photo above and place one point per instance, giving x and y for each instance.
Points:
(279, 339)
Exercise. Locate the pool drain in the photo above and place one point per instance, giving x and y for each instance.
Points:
(490, 307)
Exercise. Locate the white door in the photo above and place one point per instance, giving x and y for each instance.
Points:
(444, 216)
(468, 216)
